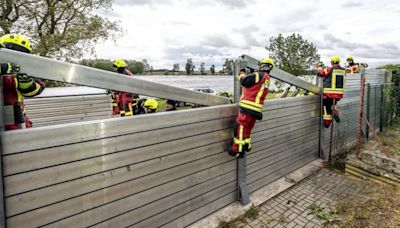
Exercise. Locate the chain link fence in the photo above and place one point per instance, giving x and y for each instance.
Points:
(381, 108)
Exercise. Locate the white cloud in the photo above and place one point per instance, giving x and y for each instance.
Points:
(170, 31)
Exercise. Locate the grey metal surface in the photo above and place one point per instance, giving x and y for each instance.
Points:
(151, 169)
(68, 109)
(283, 76)
(243, 194)
(2, 205)
(46, 68)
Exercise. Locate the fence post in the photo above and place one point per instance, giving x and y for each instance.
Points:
(382, 109)
(2, 201)
(368, 106)
(242, 194)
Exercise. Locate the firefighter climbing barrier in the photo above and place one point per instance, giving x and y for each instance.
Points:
(165, 169)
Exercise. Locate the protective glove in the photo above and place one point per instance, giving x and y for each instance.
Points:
(9, 68)
(24, 81)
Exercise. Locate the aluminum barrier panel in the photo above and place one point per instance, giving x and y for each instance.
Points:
(165, 169)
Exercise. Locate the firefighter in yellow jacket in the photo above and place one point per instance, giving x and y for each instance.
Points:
(333, 89)
(16, 85)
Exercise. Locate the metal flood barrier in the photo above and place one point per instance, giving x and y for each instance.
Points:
(165, 169)
(53, 110)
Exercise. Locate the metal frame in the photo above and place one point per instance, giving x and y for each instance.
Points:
(283, 76)
(50, 69)
(2, 201)
(243, 193)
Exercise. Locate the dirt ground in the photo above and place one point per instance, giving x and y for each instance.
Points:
(390, 138)
(374, 206)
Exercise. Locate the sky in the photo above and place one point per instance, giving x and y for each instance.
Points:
(170, 31)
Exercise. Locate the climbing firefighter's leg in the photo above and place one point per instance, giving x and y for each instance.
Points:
(327, 111)
(242, 131)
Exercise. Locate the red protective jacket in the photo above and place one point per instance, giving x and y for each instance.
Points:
(13, 96)
(125, 99)
(255, 89)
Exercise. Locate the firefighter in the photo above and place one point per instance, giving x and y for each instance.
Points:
(122, 101)
(333, 84)
(170, 105)
(255, 89)
(146, 105)
(16, 85)
(353, 67)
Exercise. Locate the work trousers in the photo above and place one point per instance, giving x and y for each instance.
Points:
(242, 131)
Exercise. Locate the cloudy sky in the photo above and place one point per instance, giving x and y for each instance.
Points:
(169, 31)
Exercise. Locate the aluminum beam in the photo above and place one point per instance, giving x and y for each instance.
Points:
(50, 69)
(282, 75)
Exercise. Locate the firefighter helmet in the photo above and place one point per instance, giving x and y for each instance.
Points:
(16, 42)
(335, 59)
(350, 58)
(267, 61)
(151, 104)
(119, 63)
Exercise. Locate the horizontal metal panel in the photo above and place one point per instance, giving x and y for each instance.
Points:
(66, 99)
(282, 75)
(58, 122)
(66, 110)
(292, 129)
(96, 184)
(140, 191)
(199, 213)
(280, 113)
(268, 124)
(146, 167)
(50, 69)
(289, 102)
(282, 169)
(258, 170)
(78, 132)
(277, 151)
(173, 206)
(119, 176)
(33, 160)
(57, 174)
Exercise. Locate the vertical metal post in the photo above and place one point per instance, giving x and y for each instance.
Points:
(321, 144)
(2, 201)
(381, 109)
(376, 108)
(368, 106)
(243, 195)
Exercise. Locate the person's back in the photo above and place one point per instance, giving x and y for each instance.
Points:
(17, 85)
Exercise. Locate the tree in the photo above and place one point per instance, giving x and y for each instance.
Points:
(136, 67)
(10, 11)
(63, 29)
(146, 65)
(176, 67)
(202, 68)
(227, 67)
(189, 67)
(212, 69)
(293, 53)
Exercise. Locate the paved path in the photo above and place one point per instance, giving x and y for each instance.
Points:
(289, 209)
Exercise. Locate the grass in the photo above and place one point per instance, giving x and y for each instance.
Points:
(326, 217)
(375, 206)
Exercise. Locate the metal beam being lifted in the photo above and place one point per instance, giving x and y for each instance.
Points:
(50, 69)
(282, 75)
